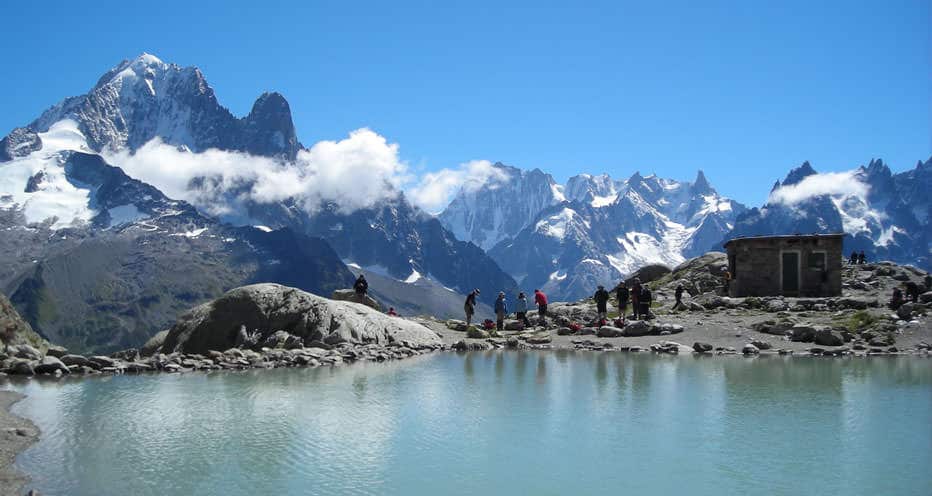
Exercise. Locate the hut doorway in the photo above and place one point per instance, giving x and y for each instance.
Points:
(790, 272)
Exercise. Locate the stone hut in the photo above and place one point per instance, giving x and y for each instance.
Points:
(797, 265)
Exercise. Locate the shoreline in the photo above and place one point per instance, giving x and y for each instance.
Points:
(16, 435)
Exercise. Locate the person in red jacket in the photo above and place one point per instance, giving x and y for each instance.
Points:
(541, 300)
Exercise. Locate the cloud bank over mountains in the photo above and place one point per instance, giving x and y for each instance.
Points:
(360, 171)
(843, 184)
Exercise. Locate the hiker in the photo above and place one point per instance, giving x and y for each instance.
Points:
(622, 294)
(854, 258)
(601, 302)
(540, 299)
(861, 258)
(521, 309)
(645, 301)
(361, 286)
(501, 310)
(897, 300)
(912, 292)
(678, 294)
(928, 282)
(636, 297)
(392, 312)
(726, 279)
(470, 306)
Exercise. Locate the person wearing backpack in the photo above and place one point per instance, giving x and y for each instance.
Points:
(470, 306)
(601, 302)
(501, 310)
(623, 295)
(361, 286)
(541, 300)
(521, 309)
(644, 301)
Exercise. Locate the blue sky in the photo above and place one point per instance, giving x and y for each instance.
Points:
(743, 90)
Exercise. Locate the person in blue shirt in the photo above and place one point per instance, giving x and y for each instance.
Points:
(501, 310)
(521, 309)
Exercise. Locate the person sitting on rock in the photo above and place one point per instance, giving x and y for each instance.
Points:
(470, 306)
(392, 312)
(623, 295)
(601, 302)
(644, 301)
(897, 300)
(501, 310)
(636, 297)
(540, 299)
(678, 294)
(521, 309)
(361, 286)
(861, 258)
(853, 260)
(912, 292)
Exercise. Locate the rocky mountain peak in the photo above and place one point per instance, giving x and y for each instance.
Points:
(269, 127)
(798, 174)
(701, 185)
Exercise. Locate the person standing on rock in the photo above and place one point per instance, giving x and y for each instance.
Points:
(623, 295)
(928, 282)
(896, 301)
(470, 306)
(521, 309)
(361, 286)
(678, 294)
(854, 258)
(636, 297)
(541, 300)
(601, 302)
(501, 310)
(861, 258)
(392, 312)
(645, 301)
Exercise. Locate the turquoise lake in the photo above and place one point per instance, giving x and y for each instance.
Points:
(510, 423)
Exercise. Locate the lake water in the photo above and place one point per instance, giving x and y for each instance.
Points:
(494, 423)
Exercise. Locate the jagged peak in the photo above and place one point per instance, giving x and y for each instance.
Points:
(798, 174)
(701, 184)
(636, 177)
(270, 103)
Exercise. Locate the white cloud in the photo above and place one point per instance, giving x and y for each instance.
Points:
(434, 190)
(357, 172)
(832, 183)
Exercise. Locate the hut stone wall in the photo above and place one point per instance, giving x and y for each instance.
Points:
(785, 265)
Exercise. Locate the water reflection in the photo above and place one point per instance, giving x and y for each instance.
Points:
(493, 423)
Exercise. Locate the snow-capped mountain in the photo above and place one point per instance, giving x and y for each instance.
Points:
(145, 98)
(99, 261)
(43, 181)
(594, 230)
(885, 214)
(501, 208)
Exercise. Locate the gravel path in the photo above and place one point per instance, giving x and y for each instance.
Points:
(16, 434)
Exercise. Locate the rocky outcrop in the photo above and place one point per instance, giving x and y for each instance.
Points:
(267, 308)
(14, 330)
(353, 296)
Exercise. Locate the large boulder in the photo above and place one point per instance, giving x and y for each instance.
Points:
(154, 344)
(50, 365)
(609, 332)
(351, 295)
(648, 273)
(637, 328)
(266, 308)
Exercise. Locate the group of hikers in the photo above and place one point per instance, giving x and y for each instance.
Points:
(638, 296)
(857, 258)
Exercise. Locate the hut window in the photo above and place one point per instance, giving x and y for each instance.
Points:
(817, 260)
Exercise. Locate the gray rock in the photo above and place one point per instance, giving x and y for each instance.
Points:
(702, 347)
(564, 331)
(128, 355)
(587, 331)
(271, 307)
(761, 345)
(21, 366)
(76, 360)
(750, 349)
(456, 325)
(24, 351)
(539, 339)
(476, 333)
(56, 351)
(776, 305)
(637, 328)
(665, 329)
(351, 295)
(826, 337)
(926, 297)
(50, 365)
(102, 362)
(802, 333)
(609, 332)
(154, 344)
(514, 325)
